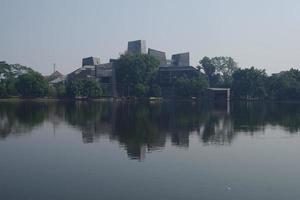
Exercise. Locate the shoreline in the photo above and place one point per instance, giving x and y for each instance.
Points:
(132, 99)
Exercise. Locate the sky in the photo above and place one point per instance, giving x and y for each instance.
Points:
(39, 33)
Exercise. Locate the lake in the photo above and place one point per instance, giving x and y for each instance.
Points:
(135, 150)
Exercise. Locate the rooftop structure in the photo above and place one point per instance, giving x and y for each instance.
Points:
(53, 76)
(182, 59)
(85, 72)
(90, 61)
(105, 74)
(58, 80)
(159, 55)
(167, 75)
(137, 47)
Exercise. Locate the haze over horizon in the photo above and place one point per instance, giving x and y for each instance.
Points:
(260, 33)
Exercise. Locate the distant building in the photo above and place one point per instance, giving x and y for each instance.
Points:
(182, 59)
(85, 72)
(53, 76)
(58, 80)
(168, 72)
(90, 61)
(137, 47)
(105, 73)
(159, 55)
(167, 75)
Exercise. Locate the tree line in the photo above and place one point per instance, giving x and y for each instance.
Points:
(137, 76)
(251, 83)
(33, 85)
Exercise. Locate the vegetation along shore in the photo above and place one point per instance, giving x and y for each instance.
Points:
(137, 77)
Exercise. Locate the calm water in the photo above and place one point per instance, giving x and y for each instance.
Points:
(147, 151)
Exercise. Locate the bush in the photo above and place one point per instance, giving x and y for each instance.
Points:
(32, 84)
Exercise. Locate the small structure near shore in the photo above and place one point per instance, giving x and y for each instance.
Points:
(218, 94)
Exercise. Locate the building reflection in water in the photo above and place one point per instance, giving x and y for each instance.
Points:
(145, 127)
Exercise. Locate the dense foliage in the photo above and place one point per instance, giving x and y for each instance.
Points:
(9, 75)
(285, 85)
(32, 84)
(135, 74)
(218, 70)
(83, 88)
(249, 83)
(185, 87)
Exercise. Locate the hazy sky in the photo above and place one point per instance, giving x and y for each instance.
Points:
(38, 33)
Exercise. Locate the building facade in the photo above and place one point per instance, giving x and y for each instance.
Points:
(158, 55)
(137, 47)
(181, 59)
(168, 72)
(105, 74)
(90, 61)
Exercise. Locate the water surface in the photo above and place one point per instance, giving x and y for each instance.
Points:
(170, 150)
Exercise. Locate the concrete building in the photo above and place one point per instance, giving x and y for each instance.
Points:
(169, 70)
(85, 72)
(90, 61)
(167, 75)
(53, 76)
(178, 67)
(182, 59)
(137, 47)
(159, 55)
(105, 74)
(58, 80)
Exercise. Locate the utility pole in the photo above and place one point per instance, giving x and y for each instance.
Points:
(54, 67)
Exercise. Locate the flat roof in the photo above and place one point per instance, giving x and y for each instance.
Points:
(219, 89)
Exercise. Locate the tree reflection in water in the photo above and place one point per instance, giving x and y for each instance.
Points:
(142, 127)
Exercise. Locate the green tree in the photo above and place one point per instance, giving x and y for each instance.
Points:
(91, 89)
(219, 70)
(225, 67)
(32, 84)
(83, 88)
(208, 68)
(155, 90)
(249, 83)
(3, 92)
(52, 91)
(134, 74)
(74, 88)
(60, 90)
(285, 85)
(11, 86)
(185, 87)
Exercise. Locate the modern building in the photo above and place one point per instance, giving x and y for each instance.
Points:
(159, 55)
(90, 61)
(167, 75)
(178, 67)
(169, 70)
(137, 47)
(58, 80)
(53, 76)
(85, 72)
(182, 59)
(105, 74)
